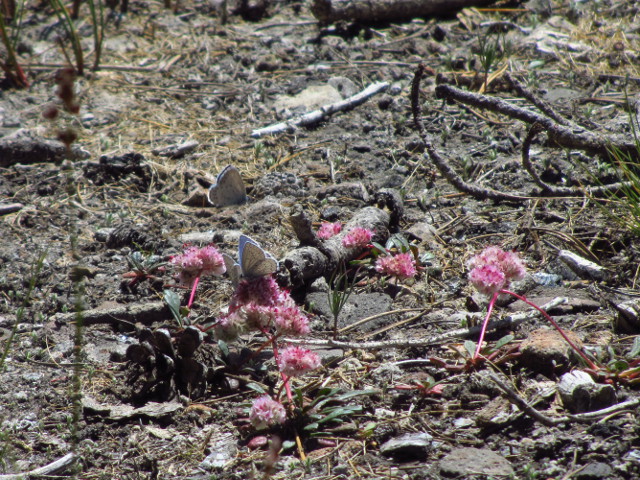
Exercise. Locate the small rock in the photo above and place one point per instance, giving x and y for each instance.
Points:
(497, 412)
(594, 471)
(474, 461)
(409, 446)
(358, 306)
(579, 393)
(545, 351)
(582, 267)
(628, 318)
(223, 449)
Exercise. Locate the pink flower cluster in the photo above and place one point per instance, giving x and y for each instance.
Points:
(402, 265)
(260, 304)
(266, 412)
(357, 237)
(196, 262)
(296, 361)
(494, 269)
(328, 230)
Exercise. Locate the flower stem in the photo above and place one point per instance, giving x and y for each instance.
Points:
(483, 330)
(556, 326)
(192, 297)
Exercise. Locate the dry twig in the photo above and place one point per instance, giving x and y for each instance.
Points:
(321, 114)
(48, 470)
(560, 130)
(587, 417)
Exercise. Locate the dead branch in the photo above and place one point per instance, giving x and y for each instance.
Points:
(52, 469)
(368, 11)
(316, 116)
(570, 136)
(441, 164)
(562, 191)
(587, 417)
(305, 264)
(567, 134)
(146, 314)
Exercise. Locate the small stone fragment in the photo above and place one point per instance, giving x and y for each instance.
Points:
(545, 351)
(594, 471)
(582, 267)
(410, 446)
(579, 393)
(497, 412)
(462, 462)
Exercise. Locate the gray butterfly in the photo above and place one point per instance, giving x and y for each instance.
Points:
(253, 261)
(229, 188)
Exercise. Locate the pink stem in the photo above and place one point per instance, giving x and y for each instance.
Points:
(276, 354)
(193, 291)
(483, 330)
(285, 378)
(556, 326)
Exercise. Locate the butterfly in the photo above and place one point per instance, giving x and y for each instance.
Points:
(253, 261)
(229, 188)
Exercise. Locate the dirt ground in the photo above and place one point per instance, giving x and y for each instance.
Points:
(176, 99)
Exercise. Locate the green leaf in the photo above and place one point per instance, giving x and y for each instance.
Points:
(503, 341)
(256, 388)
(311, 426)
(470, 347)
(357, 393)
(288, 445)
(224, 348)
(618, 365)
(378, 249)
(172, 300)
(635, 348)
(339, 412)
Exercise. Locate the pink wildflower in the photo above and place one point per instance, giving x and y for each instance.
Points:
(229, 327)
(328, 230)
(261, 290)
(357, 237)
(290, 320)
(266, 412)
(295, 361)
(257, 316)
(196, 261)
(493, 269)
(488, 279)
(402, 265)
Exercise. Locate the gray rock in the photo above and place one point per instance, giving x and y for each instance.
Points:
(358, 306)
(223, 448)
(579, 393)
(410, 446)
(474, 461)
(594, 471)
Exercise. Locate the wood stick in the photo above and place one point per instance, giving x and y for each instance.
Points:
(46, 471)
(316, 116)
(371, 11)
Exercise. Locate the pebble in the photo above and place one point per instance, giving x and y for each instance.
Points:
(410, 446)
(594, 471)
(462, 462)
(579, 393)
(545, 351)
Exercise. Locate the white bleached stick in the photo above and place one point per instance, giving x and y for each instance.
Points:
(325, 111)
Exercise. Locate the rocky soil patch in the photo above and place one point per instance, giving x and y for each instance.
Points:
(520, 133)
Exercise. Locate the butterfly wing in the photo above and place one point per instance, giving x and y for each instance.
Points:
(229, 188)
(254, 261)
(233, 269)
